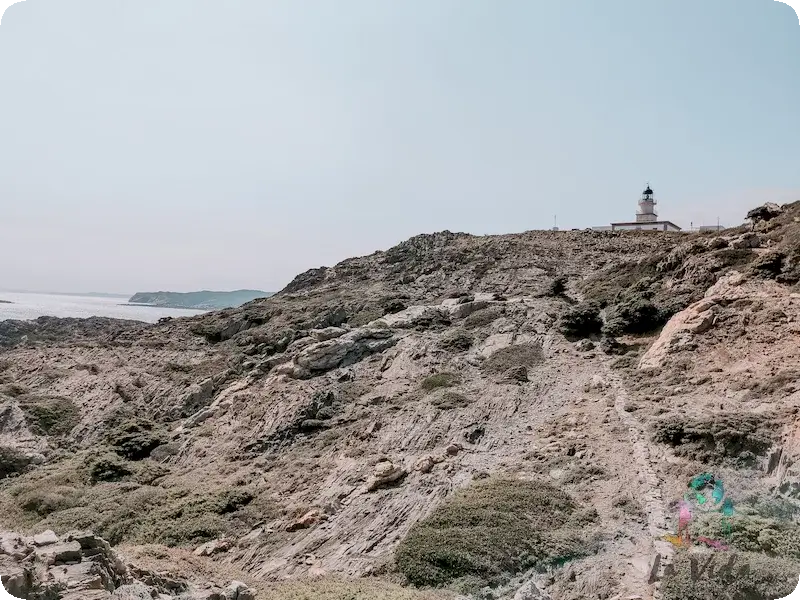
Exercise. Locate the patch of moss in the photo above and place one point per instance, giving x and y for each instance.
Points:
(440, 380)
(519, 355)
(483, 317)
(450, 400)
(493, 528)
(50, 415)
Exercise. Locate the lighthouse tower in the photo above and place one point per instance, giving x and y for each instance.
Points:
(647, 207)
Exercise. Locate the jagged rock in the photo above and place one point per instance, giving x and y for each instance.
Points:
(213, 547)
(584, 345)
(45, 538)
(239, 591)
(424, 464)
(463, 310)
(343, 350)
(309, 519)
(328, 333)
(384, 474)
(746, 240)
(60, 553)
(765, 212)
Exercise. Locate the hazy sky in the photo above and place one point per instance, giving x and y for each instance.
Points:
(194, 144)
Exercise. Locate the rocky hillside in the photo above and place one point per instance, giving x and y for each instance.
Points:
(561, 415)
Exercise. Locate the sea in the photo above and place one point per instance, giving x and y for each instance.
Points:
(27, 306)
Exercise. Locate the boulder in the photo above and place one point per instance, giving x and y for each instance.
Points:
(385, 473)
(309, 519)
(584, 345)
(45, 538)
(213, 547)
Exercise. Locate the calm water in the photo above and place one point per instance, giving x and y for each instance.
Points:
(31, 306)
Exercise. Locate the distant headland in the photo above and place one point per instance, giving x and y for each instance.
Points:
(204, 300)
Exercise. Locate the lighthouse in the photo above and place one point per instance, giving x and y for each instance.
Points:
(646, 216)
(647, 207)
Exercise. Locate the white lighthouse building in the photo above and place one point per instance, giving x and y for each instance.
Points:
(646, 216)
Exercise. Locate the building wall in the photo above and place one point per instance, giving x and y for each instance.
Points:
(645, 227)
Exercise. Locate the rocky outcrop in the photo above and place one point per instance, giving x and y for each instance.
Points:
(81, 566)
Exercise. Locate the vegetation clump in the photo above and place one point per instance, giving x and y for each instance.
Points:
(440, 380)
(450, 401)
(13, 462)
(456, 341)
(330, 588)
(735, 575)
(483, 317)
(738, 438)
(134, 438)
(582, 320)
(518, 355)
(635, 315)
(490, 530)
(50, 415)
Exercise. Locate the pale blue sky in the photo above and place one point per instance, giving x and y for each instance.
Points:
(194, 144)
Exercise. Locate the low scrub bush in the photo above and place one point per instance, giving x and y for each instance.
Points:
(50, 415)
(734, 575)
(491, 529)
(519, 355)
(329, 588)
(482, 318)
(737, 438)
(134, 438)
(440, 380)
(581, 321)
(450, 400)
(634, 315)
(456, 341)
(13, 462)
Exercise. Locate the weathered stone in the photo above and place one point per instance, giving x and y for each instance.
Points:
(385, 473)
(309, 519)
(213, 547)
(60, 553)
(45, 538)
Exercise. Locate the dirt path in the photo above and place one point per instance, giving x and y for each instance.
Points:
(641, 458)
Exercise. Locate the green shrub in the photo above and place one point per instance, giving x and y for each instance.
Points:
(750, 533)
(108, 467)
(330, 588)
(519, 355)
(50, 415)
(493, 528)
(456, 341)
(557, 287)
(13, 462)
(450, 400)
(634, 315)
(483, 317)
(46, 501)
(440, 380)
(738, 438)
(734, 575)
(134, 439)
(581, 321)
